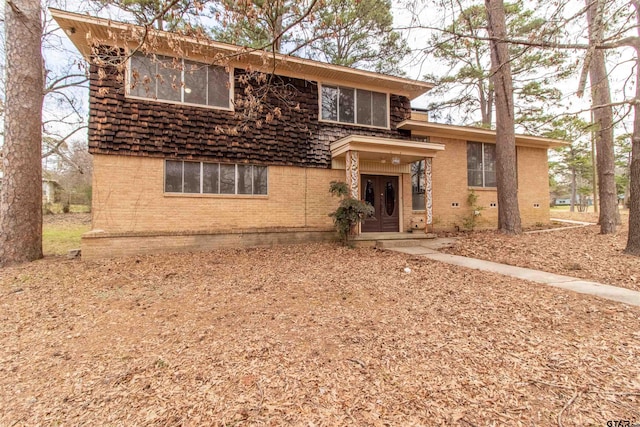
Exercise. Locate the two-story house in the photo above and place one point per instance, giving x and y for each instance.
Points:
(192, 151)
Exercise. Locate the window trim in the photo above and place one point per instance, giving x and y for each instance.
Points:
(235, 194)
(483, 186)
(355, 109)
(231, 73)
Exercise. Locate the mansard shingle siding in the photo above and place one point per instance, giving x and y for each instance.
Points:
(134, 127)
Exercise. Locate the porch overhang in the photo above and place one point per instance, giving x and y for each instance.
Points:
(468, 133)
(384, 149)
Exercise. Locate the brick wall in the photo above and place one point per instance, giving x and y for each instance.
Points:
(128, 197)
(450, 186)
(129, 205)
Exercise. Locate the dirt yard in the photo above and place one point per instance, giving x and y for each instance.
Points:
(307, 335)
(577, 252)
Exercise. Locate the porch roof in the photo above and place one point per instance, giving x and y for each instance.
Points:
(384, 149)
(468, 133)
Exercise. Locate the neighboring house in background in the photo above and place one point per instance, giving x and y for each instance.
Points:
(49, 187)
(176, 168)
(581, 200)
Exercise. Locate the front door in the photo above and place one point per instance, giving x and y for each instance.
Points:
(382, 193)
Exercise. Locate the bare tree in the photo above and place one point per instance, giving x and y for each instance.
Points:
(21, 194)
(506, 177)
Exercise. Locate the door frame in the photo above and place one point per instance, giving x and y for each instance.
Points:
(400, 197)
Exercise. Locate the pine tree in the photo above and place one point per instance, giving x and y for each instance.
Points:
(21, 194)
(506, 178)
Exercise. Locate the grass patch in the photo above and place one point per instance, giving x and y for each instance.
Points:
(58, 239)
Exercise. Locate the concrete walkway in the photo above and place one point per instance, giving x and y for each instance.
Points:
(574, 224)
(609, 292)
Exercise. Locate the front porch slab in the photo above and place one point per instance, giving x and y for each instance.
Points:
(388, 239)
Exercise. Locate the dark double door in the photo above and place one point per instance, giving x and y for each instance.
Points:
(382, 193)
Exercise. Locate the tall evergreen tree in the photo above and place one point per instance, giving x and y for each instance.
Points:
(354, 33)
(359, 34)
(573, 164)
(168, 15)
(465, 88)
(506, 175)
(265, 24)
(21, 194)
(602, 117)
(633, 241)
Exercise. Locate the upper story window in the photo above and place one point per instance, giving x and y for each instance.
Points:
(179, 80)
(481, 164)
(357, 106)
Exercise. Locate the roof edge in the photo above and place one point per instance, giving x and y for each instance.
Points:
(400, 85)
(476, 133)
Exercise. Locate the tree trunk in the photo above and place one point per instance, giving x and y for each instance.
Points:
(573, 190)
(603, 121)
(21, 195)
(506, 177)
(633, 241)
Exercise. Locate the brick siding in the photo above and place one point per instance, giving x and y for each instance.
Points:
(450, 186)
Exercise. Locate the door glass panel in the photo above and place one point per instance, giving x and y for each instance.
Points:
(370, 193)
(390, 198)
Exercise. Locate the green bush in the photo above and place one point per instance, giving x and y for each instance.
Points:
(350, 212)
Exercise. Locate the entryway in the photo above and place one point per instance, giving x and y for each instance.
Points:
(383, 194)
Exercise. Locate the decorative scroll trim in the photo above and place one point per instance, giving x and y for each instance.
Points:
(428, 196)
(353, 173)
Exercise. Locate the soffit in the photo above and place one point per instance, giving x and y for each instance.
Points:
(384, 149)
(86, 31)
(469, 133)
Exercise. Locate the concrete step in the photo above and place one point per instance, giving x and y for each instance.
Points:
(404, 243)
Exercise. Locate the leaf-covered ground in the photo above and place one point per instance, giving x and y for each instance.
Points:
(577, 252)
(307, 335)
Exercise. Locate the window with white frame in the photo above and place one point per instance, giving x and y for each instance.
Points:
(178, 80)
(214, 178)
(481, 164)
(417, 185)
(357, 106)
